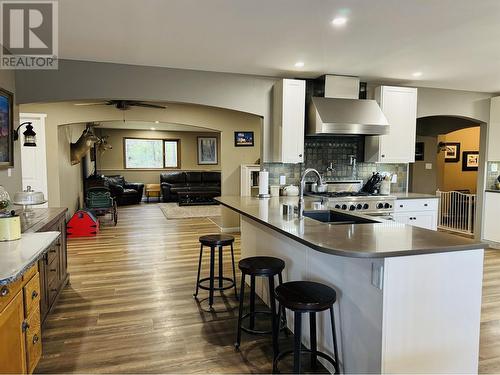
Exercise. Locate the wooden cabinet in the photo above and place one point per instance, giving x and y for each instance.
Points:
(491, 224)
(289, 97)
(53, 268)
(399, 105)
(20, 324)
(421, 213)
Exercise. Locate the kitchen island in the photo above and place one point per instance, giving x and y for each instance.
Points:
(409, 298)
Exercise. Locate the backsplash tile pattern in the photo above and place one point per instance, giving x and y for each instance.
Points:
(491, 177)
(321, 151)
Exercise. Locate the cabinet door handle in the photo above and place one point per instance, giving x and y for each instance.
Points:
(25, 326)
(300, 155)
(52, 250)
(383, 155)
(425, 204)
(53, 270)
(34, 294)
(35, 339)
(53, 290)
(4, 291)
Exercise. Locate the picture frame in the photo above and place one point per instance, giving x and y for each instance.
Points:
(6, 129)
(452, 152)
(243, 139)
(207, 151)
(470, 161)
(419, 151)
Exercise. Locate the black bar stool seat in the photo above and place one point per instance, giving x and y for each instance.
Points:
(216, 241)
(306, 297)
(262, 266)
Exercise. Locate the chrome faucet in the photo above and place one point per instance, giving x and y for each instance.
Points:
(302, 188)
(330, 169)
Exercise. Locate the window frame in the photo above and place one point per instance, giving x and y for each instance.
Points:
(163, 140)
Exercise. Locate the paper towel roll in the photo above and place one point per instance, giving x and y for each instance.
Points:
(263, 183)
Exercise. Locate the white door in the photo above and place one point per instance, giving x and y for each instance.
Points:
(34, 159)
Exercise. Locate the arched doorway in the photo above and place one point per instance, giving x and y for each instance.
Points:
(447, 161)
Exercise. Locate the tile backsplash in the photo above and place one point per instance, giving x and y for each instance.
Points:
(321, 151)
(491, 177)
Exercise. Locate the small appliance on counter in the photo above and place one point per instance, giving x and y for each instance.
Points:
(10, 223)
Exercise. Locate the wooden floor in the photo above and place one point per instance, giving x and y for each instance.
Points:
(129, 308)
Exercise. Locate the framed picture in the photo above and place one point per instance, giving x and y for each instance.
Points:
(243, 139)
(419, 151)
(470, 161)
(207, 150)
(452, 152)
(6, 129)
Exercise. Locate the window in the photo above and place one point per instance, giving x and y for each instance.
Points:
(144, 153)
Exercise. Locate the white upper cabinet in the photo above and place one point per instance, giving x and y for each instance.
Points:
(399, 105)
(289, 96)
(494, 130)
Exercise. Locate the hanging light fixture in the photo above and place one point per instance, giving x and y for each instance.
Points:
(29, 134)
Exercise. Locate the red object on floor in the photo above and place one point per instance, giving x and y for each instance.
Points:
(82, 224)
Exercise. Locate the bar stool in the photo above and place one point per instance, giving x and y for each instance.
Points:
(264, 267)
(306, 297)
(213, 241)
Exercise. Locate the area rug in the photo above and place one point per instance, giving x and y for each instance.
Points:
(173, 211)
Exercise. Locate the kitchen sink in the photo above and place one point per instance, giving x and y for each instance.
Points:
(336, 218)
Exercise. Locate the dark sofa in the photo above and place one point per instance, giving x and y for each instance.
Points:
(173, 182)
(124, 192)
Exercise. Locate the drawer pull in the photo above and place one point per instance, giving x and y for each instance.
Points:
(425, 204)
(34, 294)
(52, 250)
(25, 326)
(35, 339)
(53, 270)
(53, 289)
(4, 291)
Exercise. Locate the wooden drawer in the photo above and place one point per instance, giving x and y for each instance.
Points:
(30, 272)
(32, 295)
(53, 253)
(33, 340)
(8, 292)
(409, 205)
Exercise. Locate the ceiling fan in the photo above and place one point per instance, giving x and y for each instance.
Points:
(124, 104)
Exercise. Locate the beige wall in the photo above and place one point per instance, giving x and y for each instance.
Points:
(451, 176)
(72, 189)
(224, 121)
(13, 182)
(424, 180)
(112, 162)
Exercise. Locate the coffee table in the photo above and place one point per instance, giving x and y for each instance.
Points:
(196, 198)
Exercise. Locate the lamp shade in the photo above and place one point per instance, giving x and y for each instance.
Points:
(29, 136)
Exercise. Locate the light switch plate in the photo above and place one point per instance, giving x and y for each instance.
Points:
(394, 179)
(428, 165)
(9, 172)
(494, 167)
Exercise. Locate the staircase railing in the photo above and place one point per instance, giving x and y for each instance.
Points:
(457, 211)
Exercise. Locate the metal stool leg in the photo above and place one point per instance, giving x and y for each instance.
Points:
(252, 302)
(314, 344)
(212, 266)
(240, 313)
(297, 333)
(221, 282)
(282, 308)
(276, 333)
(199, 271)
(274, 323)
(234, 272)
(335, 351)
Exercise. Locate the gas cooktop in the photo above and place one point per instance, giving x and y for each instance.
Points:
(358, 201)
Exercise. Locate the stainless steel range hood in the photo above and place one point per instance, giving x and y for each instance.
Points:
(340, 112)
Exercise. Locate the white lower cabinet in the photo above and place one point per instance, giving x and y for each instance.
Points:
(491, 225)
(422, 213)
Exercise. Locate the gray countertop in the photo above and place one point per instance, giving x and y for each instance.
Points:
(385, 238)
(414, 196)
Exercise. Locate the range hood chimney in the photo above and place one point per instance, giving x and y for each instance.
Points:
(334, 107)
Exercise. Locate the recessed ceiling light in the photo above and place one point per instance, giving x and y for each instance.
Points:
(157, 122)
(339, 21)
(417, 74)
(153, 128)
(299, 64)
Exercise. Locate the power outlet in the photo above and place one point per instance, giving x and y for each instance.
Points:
(428, 165)
(9, 172)
(494, 167)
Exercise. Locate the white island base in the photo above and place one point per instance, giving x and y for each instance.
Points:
(406, 314)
